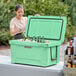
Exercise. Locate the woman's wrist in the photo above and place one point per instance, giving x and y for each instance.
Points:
(37, 14)
(20, 30)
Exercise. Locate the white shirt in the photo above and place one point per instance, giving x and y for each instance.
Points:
(18, 24)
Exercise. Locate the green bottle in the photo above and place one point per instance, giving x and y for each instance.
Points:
(24, 36)
(40, 39)
(43, 41)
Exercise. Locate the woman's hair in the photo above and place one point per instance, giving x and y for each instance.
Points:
(18, 6)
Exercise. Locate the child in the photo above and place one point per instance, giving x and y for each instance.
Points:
(18, 23)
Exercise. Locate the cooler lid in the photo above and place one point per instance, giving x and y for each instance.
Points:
(51, 27)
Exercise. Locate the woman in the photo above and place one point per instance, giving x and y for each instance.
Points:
(18, 23)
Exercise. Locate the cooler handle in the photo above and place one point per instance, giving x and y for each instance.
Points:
(27, 46)
(52, 59)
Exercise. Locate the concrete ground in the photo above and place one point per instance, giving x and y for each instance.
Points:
(6, 52)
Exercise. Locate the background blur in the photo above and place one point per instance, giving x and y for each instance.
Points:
(42, 7)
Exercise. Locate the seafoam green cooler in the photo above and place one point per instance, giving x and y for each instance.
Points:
(40, 54)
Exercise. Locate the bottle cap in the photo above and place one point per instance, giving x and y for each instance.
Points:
(74, 35)
(69, 61)
(70, 43)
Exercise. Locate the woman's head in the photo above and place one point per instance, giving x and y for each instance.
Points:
(19, 10)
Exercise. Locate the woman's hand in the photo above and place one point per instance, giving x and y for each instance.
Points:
(13, 31)
(37, 14)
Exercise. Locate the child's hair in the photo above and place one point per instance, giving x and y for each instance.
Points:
(18, 6)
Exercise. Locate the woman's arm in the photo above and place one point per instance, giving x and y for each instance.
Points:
(37, 14)
(14, 32)
(13, 29)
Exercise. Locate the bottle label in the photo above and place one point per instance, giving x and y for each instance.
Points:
(68, 51)
(66, 57)
(73, 66)
(69, 65)
(74, 50)
(74, 45)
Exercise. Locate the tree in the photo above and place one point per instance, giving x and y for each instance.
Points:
(45, 7)
(6, 12)
(72, 10)
(31, 7)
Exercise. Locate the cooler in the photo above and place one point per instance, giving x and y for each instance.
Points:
(40, 54)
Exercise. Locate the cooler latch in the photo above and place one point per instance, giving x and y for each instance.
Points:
(52, 59)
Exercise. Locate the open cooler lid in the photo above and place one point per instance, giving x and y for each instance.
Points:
(51, 27)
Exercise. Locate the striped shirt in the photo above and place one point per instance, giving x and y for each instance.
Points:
(18, 24)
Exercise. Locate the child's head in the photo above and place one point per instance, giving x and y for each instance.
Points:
(19, 10)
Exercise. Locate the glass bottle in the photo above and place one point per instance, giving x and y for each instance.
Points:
(69, 62)
(74, 62)
(24, 36)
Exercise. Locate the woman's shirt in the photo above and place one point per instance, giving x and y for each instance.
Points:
(18, 25)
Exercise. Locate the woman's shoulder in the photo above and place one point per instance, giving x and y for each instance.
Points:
(25, 18)
(13, 19)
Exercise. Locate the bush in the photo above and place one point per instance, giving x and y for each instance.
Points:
(45, 7)
(31, 7)
(72, 10)
(70, 32)
(4, 37)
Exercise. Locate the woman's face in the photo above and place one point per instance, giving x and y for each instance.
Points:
(19, 13)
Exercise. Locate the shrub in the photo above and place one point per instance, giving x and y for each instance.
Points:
(4, 37)
(31, 7)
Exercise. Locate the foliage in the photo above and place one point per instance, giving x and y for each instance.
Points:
(70, 32)
(45, 7)
(72, 10)
(4, 37)
(6, 12)
(31, 7)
